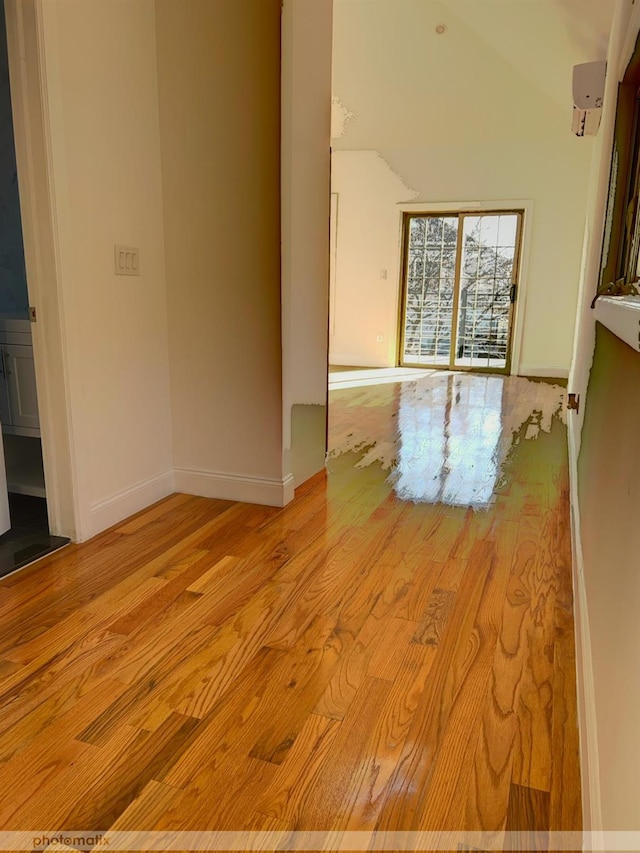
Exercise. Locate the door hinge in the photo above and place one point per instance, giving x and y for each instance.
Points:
(32, 314)
(513, 293)
(573, 402)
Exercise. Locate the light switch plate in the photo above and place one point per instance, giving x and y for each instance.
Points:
(127, 260)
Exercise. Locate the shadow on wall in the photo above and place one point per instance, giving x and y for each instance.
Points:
(590, 33)
(365, 308)
(609, 478)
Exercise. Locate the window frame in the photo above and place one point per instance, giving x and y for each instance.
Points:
(460, 213)
(621, 252)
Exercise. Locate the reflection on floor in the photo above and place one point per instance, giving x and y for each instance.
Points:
(358, 377)
(29, 537)
(483, 362)
(391, 651)
(444, 437)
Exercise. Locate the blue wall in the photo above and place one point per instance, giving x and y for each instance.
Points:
(14, 298)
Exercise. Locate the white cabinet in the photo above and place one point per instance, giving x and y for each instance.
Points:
(19, 374)
(18, 395)
(5, 410)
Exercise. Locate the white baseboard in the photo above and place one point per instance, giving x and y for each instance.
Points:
(543, 372)
(111, 510)
(208, 484)
(233, 487)
(589, 756)
(289, 489)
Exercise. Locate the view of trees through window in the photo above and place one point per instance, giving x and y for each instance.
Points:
(478, 285)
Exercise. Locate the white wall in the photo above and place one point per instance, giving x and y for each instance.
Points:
(306, 166)
(101, 69)
(219, 95)
(365, 305)
(130, 132)
(623, 37)
(605, 497)
(473, 115)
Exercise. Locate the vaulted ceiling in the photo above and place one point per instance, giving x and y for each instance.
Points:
(502, 68)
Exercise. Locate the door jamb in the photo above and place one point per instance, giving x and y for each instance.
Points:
(29, 95)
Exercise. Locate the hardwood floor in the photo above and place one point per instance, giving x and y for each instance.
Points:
(392, 651)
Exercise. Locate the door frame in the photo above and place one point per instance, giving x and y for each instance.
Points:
(454, 208)
(30, 85)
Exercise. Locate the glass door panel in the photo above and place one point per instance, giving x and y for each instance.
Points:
(430, 269)
(489, 244)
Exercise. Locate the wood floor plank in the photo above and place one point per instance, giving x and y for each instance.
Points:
(367, 617)
(9, 667)
(323, 802)
(535, 583)
(370, 781)
(283, 798)
(434, 622)
(387, 656)
(42, 713)
(310, 666)
(119, 602)
(89, 597)
(519, 681)
(164, 596)
(135, 697)
(347, 562)
(34, 769)
(352, 668)
(92, 569)
(425, 575)
(469, 756)
(142, 519)
(236, 644)
(231, 727)
(384, 653)
(146, 645)
(34, 684)
(566, 786)
(528, 809)
(141, 814)
(406, 797)
(209, 580)
(421, 796)
(221, 800)
(106, 795)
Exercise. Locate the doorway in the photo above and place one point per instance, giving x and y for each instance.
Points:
(24, 523)
(459, 288)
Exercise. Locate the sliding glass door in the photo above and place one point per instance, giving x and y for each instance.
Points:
(460, 275)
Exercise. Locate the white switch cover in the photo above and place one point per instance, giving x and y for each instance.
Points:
(127, 259)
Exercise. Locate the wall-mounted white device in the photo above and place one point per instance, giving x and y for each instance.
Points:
(588, 97)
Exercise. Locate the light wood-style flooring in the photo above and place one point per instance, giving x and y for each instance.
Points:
(394, 650)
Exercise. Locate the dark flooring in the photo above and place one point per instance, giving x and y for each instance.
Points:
(29, 537)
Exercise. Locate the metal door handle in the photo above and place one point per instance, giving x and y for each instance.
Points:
(513, 293)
